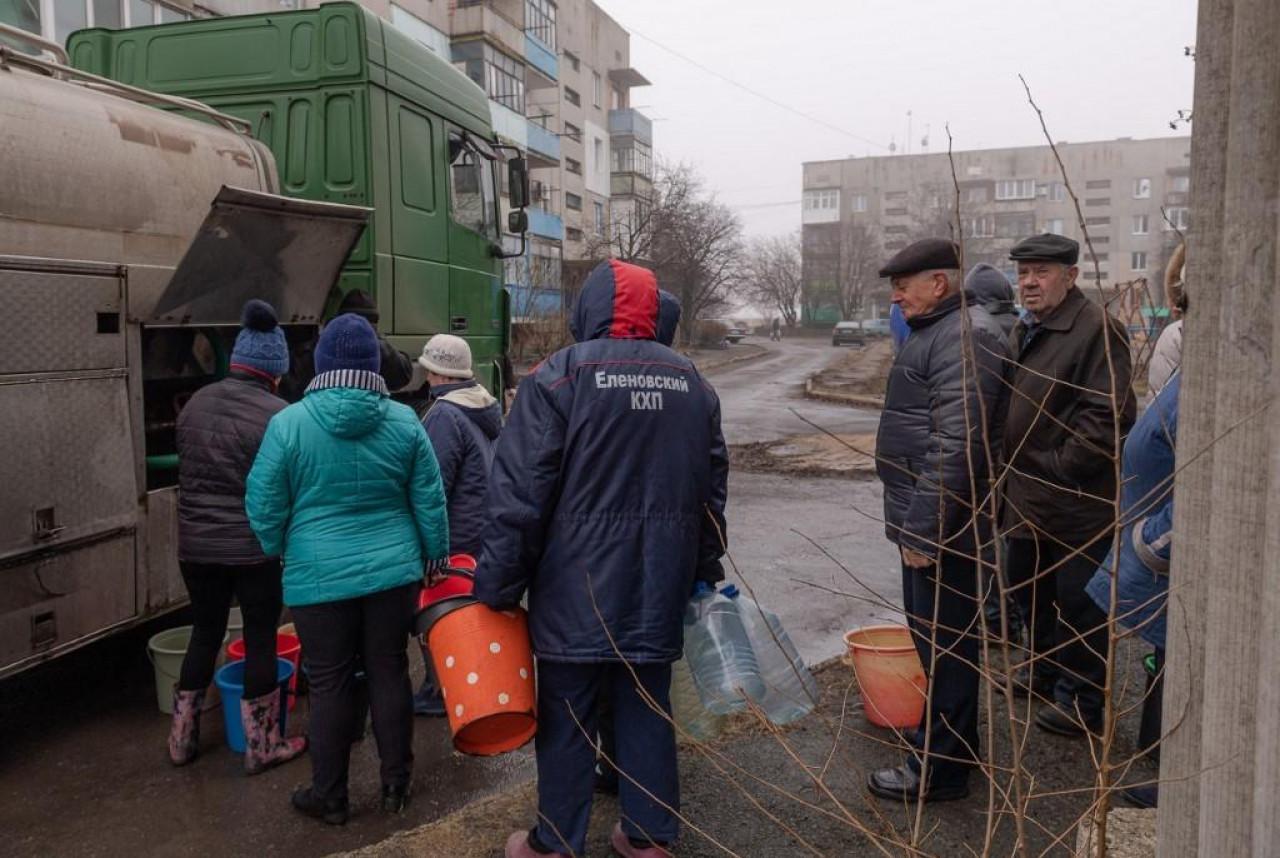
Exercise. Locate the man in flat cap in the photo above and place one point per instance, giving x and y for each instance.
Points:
(933, 451)
(1060, 444)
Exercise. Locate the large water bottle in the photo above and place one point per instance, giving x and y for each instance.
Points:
(790, 689)
(687, 710)
(719, 653)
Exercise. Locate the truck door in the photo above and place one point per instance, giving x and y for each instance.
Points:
(419, 217)
(473, 235)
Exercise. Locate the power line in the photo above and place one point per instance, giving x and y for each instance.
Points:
(755, 92)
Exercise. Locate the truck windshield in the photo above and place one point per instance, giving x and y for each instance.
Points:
(472, 194)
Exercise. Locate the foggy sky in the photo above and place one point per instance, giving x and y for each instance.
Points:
(1100, 69)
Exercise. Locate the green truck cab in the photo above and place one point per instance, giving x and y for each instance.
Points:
(356, 112)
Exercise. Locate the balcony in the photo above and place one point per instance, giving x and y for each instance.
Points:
(543, 67)
(543, 146)
(630, 123)
(484, 19)
(630, 185)
(510, 125)
(544, 223)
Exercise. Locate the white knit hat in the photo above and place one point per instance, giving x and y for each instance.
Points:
(445, 354)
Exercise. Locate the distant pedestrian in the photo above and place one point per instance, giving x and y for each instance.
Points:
(899, 330)
(776, 331)
(993, 291)
(939, 433)
(346, 488)
(607, 502)
(1060, 450)
(396, 367)
(218, 435)
(463, 422)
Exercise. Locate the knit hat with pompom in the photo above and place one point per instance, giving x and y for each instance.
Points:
(260, 344)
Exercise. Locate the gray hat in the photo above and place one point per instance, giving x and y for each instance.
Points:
(923, 255)
(1048, 248)
(447, 355)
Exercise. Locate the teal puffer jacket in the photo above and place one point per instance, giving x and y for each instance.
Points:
(347, 491)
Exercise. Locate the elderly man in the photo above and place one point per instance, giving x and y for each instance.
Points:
(933, 453)
(1061, 442)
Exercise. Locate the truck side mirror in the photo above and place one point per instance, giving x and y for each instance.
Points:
(518, 222)
(518, 183)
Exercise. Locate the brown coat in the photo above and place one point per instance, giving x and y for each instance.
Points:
(1061, 455)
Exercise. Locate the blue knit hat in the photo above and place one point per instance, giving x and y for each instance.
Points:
(348, 342)
(261, 344)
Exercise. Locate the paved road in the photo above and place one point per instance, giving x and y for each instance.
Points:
(82, 753)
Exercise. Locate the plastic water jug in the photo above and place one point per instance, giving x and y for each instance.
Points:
(687, 710)
(790, 689)
(719, 653)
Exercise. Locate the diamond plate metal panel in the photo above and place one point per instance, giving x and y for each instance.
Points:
(64, 322)
(69, 451)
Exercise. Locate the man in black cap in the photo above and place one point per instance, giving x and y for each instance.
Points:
(938, 430)
(1060, 448)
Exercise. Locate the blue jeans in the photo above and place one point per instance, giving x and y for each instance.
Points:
(646, 752)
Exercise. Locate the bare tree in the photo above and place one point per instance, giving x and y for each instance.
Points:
(857, 276)
(772, 269)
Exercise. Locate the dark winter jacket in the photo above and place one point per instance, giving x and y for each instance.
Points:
(1060, 433)
(668, 317)
(396, 370)
(463, 423)
(940, 428)
(219, 432)
(608, 488)
(991, 289)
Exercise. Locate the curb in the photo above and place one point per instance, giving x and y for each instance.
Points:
(812, 391)
(734, 361)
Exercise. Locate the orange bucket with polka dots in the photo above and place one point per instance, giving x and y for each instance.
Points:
(484, 666)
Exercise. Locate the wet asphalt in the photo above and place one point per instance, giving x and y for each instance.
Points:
(83, 767)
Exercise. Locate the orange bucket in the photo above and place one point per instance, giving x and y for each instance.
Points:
(889, 675)
(484, 666)
(288, 647)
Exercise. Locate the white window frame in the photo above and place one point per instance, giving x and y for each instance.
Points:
(1015, 189)
(126, 16)
(982, 226)
(1142, 189)
(597, 88)
(1060, 228)
(1057, 192)
(1141, 224)
(1179, 184)
(1138, 260)
(858, 203)
(1180, 217)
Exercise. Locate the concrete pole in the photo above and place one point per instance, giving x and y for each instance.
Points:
(1237, 737)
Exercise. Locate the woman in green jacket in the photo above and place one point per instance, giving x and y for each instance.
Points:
(347, 491)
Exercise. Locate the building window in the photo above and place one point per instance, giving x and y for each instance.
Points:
(1097, 184)
(1142, 189)
(574, 63)
(895, 230)
(597, 146)
(822, 200)
(615, 98)
(1141, 225)
(573, 166)
(573, 202)
(599, 209)
(596, 88)
(1015, 189)
(573, 132)
(58, 19)
(637, 158)
(571, 96)
(1015, 224)
(859, 203)
(1138, 260)
(1056, 192)
(1100, 239)
(899, 211)
(1098, 201)
(572, 233)
(895, 195)
(1179, 217)
(501, 76)
(1097, 221)
(1179, 184)
(976, 194)
(540, 21)
(1054, 225)
(983, 226)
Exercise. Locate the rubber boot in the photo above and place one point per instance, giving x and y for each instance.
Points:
(264, 747)
(184, 732)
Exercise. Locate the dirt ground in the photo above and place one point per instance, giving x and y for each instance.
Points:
(759, 792)
(858, 371)
(810, 455)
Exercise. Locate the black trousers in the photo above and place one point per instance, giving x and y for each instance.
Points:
(211, 587)
(646, 752)
(1060, 614)
(951, 668)
(338, 637)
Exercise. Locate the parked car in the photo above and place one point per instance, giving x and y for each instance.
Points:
(847, 334)
(876, 327)
(736, 334)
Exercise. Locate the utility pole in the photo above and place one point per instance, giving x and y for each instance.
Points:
(1220, 765)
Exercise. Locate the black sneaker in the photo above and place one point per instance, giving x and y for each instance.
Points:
(307, 802)
(395, 798)
(902, 784)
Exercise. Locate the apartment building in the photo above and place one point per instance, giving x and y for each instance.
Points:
(559, 80)
(1133, 195)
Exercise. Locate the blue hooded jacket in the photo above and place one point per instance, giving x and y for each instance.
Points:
(608, 488)
(463, 423)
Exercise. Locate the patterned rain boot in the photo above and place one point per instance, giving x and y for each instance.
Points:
(264, 747)
(184, 731)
